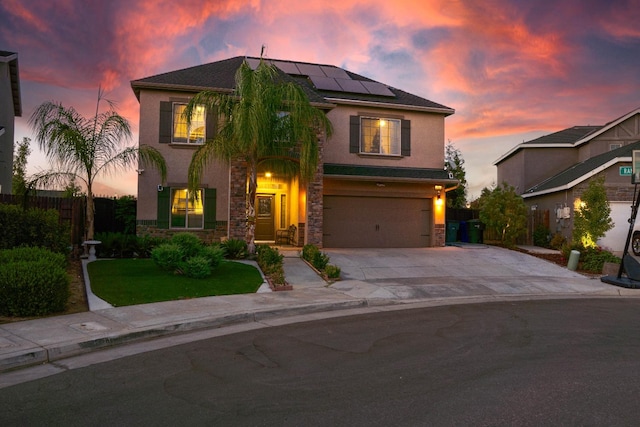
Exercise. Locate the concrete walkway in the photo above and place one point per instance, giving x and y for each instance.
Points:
(372, 280)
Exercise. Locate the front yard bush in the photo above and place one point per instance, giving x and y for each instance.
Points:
(167, 256)
(32, 227)
(235, 248)
(320, 261)
(270, 261)
(33, 282)
(185, 254)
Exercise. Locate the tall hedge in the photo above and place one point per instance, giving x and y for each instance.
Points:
(32, 227)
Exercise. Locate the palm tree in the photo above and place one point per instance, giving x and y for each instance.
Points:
(267, 121)
(87, 148)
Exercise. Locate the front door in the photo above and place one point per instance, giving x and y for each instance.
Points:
(264, 217)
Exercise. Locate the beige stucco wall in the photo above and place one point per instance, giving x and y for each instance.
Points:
(427, 139)
(624, 133)
(178, 157)
(531, 166)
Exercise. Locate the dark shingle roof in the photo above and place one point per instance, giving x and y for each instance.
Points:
(568, 136)
(384, 172)
(220, 75)
(583, 168)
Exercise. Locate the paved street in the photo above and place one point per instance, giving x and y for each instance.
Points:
(555, 362)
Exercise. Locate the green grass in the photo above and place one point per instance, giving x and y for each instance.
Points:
(123, 282)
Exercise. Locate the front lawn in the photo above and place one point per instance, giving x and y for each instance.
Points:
(123, 282)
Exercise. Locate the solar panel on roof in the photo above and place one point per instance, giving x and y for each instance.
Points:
(376, 88)
(310, 70)
(253, 63)
(288, 67)
(335, 72)
(325, 83)
(353, 86)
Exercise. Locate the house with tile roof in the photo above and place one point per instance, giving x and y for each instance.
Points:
(551, 172)
(380, 180)
(10, 108)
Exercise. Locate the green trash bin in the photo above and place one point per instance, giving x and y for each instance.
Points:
(475, 231)
(452, 231)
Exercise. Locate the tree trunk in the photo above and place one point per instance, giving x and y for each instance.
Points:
(90, 215)
(251, 205)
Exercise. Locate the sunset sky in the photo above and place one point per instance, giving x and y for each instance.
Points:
(513, 70)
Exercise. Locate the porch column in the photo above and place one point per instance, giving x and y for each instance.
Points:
(237, 199)
(313, 226)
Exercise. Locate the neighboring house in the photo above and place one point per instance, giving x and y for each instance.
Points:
(380, 181)
(551, 172)
(10, 108)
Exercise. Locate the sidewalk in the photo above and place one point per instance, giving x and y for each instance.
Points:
(387, 283)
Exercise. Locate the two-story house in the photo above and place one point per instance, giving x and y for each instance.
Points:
(10, 108)
(380, 181)
(551, 172)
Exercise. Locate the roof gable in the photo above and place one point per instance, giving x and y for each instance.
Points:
(581, 171)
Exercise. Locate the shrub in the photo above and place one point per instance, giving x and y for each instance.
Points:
(214, 254)
(167, 256)
(197, 267)
(32, 254)
(557, 241)
(32, 227)
(116, 245)
(593, 259)
(320, 260)
(541, 236)
(269, 259)
(309, 251)
(332, 271)
(32, 282)
(235, 248)
(189, 242)
(147, 243)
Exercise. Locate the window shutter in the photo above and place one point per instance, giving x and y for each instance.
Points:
(164, 207)
(211, 124)
(209, 208)
(354, 134)
(166, 122)
(405, 135)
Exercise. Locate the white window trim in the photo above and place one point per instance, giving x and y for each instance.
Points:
(185, 141)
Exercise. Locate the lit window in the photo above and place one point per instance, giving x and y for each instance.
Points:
(186, 209)
(380, 136)
(182, 133)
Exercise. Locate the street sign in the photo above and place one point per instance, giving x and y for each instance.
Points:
(626, 171)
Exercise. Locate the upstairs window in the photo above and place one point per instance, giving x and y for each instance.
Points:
(173, 126)
(188, 134)
(380, 136)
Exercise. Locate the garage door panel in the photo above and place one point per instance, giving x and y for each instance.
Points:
(376, 222)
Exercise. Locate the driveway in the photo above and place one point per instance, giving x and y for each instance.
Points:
(473, 270)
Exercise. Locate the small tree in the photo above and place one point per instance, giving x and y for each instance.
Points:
(19, 180)
(455, 165)
(592, 217)
(504, 211)
(87, 148)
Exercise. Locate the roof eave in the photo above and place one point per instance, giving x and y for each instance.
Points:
(525, 145)
(606, 127)
(578, 180)
(445, 111)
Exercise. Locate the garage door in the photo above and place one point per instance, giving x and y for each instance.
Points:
(376, 222)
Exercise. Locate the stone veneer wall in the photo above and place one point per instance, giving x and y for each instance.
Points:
(314, 224)
(439, 235)
(238, 199)
(149, 228)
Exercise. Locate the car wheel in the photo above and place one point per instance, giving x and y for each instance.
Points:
(635, 243)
